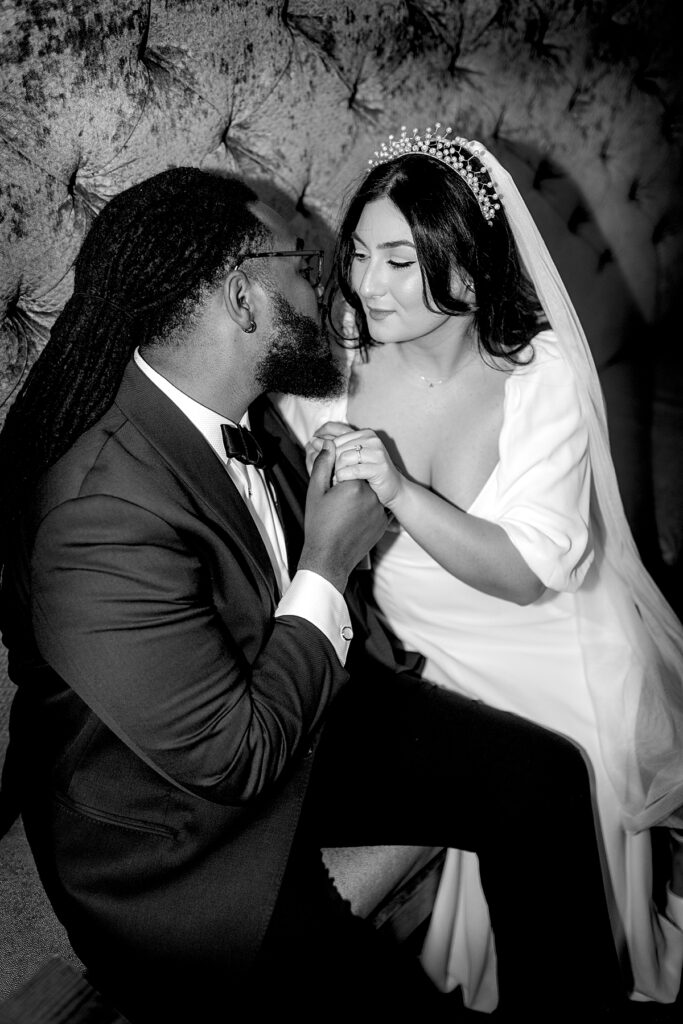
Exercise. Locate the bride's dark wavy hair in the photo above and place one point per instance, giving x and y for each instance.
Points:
(451, 235)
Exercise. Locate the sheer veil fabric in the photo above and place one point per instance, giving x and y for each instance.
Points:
(641, 740)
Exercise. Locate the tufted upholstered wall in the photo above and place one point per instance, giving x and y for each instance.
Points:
(580, 99)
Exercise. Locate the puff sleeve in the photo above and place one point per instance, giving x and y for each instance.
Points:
(544, 480)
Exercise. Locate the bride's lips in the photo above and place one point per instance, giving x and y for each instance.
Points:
(378, 314)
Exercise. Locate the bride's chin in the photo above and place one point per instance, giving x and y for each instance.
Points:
(379, 332)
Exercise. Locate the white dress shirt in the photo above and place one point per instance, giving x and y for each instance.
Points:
(308, 595)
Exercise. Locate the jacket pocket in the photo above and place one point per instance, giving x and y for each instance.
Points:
(118, 820)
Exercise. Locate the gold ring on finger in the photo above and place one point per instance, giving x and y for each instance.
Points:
(359, 448)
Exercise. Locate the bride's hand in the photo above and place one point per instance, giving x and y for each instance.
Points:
(362, 456)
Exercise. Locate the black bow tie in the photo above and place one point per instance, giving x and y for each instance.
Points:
(241, 444)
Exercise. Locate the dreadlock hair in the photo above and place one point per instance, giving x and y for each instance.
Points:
(146, 263)
(451, 236)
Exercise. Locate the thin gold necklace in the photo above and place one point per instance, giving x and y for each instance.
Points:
(433, 382)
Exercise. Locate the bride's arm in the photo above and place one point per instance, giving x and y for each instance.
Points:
(476, 551)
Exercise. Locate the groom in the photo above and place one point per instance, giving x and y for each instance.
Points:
(203, 703)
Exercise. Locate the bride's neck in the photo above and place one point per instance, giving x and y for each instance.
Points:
(442, 353)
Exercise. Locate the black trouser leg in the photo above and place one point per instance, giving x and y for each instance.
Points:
(325, 963)
(404, 762)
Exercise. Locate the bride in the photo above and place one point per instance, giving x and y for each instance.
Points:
(474, 411)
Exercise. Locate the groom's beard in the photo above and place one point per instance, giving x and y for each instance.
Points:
(298, 360)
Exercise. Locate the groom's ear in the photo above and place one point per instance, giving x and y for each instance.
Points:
(238, 297)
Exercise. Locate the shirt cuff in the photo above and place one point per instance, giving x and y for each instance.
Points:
(312, 597)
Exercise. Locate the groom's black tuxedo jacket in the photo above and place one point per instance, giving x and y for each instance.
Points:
(164, 721)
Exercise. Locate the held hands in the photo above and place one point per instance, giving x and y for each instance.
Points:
(360, 456)
(332, 430)
(342, 522)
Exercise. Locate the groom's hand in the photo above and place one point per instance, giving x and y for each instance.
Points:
(342, 523)
(330, 430)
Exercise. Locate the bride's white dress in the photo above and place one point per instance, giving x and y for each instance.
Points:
(534, 660)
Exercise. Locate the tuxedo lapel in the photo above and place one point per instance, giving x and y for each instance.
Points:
(197, 466)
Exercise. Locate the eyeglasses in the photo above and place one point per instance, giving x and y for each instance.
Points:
(312, 262)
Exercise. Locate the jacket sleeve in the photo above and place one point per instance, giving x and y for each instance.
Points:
(125, 610)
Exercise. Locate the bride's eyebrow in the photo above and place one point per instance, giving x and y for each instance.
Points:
(396, 244)
(386, 245)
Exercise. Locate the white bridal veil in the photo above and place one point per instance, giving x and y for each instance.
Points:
(642, 739)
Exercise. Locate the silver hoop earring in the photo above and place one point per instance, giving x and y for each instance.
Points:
(251, 328)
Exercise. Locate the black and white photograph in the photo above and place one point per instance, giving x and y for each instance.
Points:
(341, 511)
